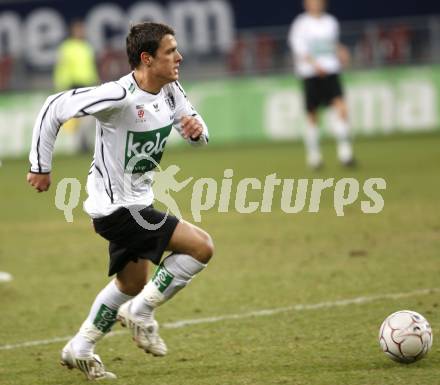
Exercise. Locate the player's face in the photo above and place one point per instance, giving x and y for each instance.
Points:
(78, 30)
(314, 6)
(165, 65)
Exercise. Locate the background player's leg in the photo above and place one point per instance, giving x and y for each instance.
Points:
(311, 140)
(342, 131)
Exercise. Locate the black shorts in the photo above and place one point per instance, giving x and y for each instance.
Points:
(129, 241)
(321, 91)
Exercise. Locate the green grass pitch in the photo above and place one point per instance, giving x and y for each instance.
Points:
(262, 261)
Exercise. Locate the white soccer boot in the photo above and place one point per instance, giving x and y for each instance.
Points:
(92, 366)
(145, 335)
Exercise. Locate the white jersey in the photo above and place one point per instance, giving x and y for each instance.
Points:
(132, 129)
(318, 38)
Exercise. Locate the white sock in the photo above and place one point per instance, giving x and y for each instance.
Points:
(101, 318)
(172, 275)
(311, 141)
(342, 134)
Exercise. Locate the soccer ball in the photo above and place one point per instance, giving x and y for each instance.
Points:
(405, 336)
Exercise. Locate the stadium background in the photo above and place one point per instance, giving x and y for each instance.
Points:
(238, 72)
(393, 84)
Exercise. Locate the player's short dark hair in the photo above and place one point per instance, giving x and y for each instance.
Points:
(145, 37)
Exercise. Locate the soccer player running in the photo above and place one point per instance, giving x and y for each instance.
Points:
(318, 55)
(134, 117)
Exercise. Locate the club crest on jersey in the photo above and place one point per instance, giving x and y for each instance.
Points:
(151, 143)
(140, 113)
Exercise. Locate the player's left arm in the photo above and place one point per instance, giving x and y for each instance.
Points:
(341, 50)
(187, 121)
(343, 55)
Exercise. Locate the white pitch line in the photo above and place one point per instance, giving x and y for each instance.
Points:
(299, 307)
(256, 313)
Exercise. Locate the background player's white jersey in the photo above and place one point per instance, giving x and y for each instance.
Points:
(317, 37)
(131, 132)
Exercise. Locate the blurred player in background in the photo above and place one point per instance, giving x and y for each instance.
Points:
(319, 56)
(134, 118)
(76, 68)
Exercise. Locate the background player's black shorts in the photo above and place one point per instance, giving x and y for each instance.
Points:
(130, 241)
(321, 91)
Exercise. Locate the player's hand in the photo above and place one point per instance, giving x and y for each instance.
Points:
(320, 71)
(40, 182)
(344, 56)
(191, 127)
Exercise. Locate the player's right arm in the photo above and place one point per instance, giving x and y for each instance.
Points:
(98, 101)
(41, 182)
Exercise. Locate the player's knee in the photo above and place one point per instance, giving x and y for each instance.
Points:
(341, 108)
(343, 113)
(205, 248)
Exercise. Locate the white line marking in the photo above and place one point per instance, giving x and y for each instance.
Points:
(256, 313)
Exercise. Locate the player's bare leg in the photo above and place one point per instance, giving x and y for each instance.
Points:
(191, 240)
(342, 132)
(311, 141)
(192, 248)
(133, 277)
(341, 108)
